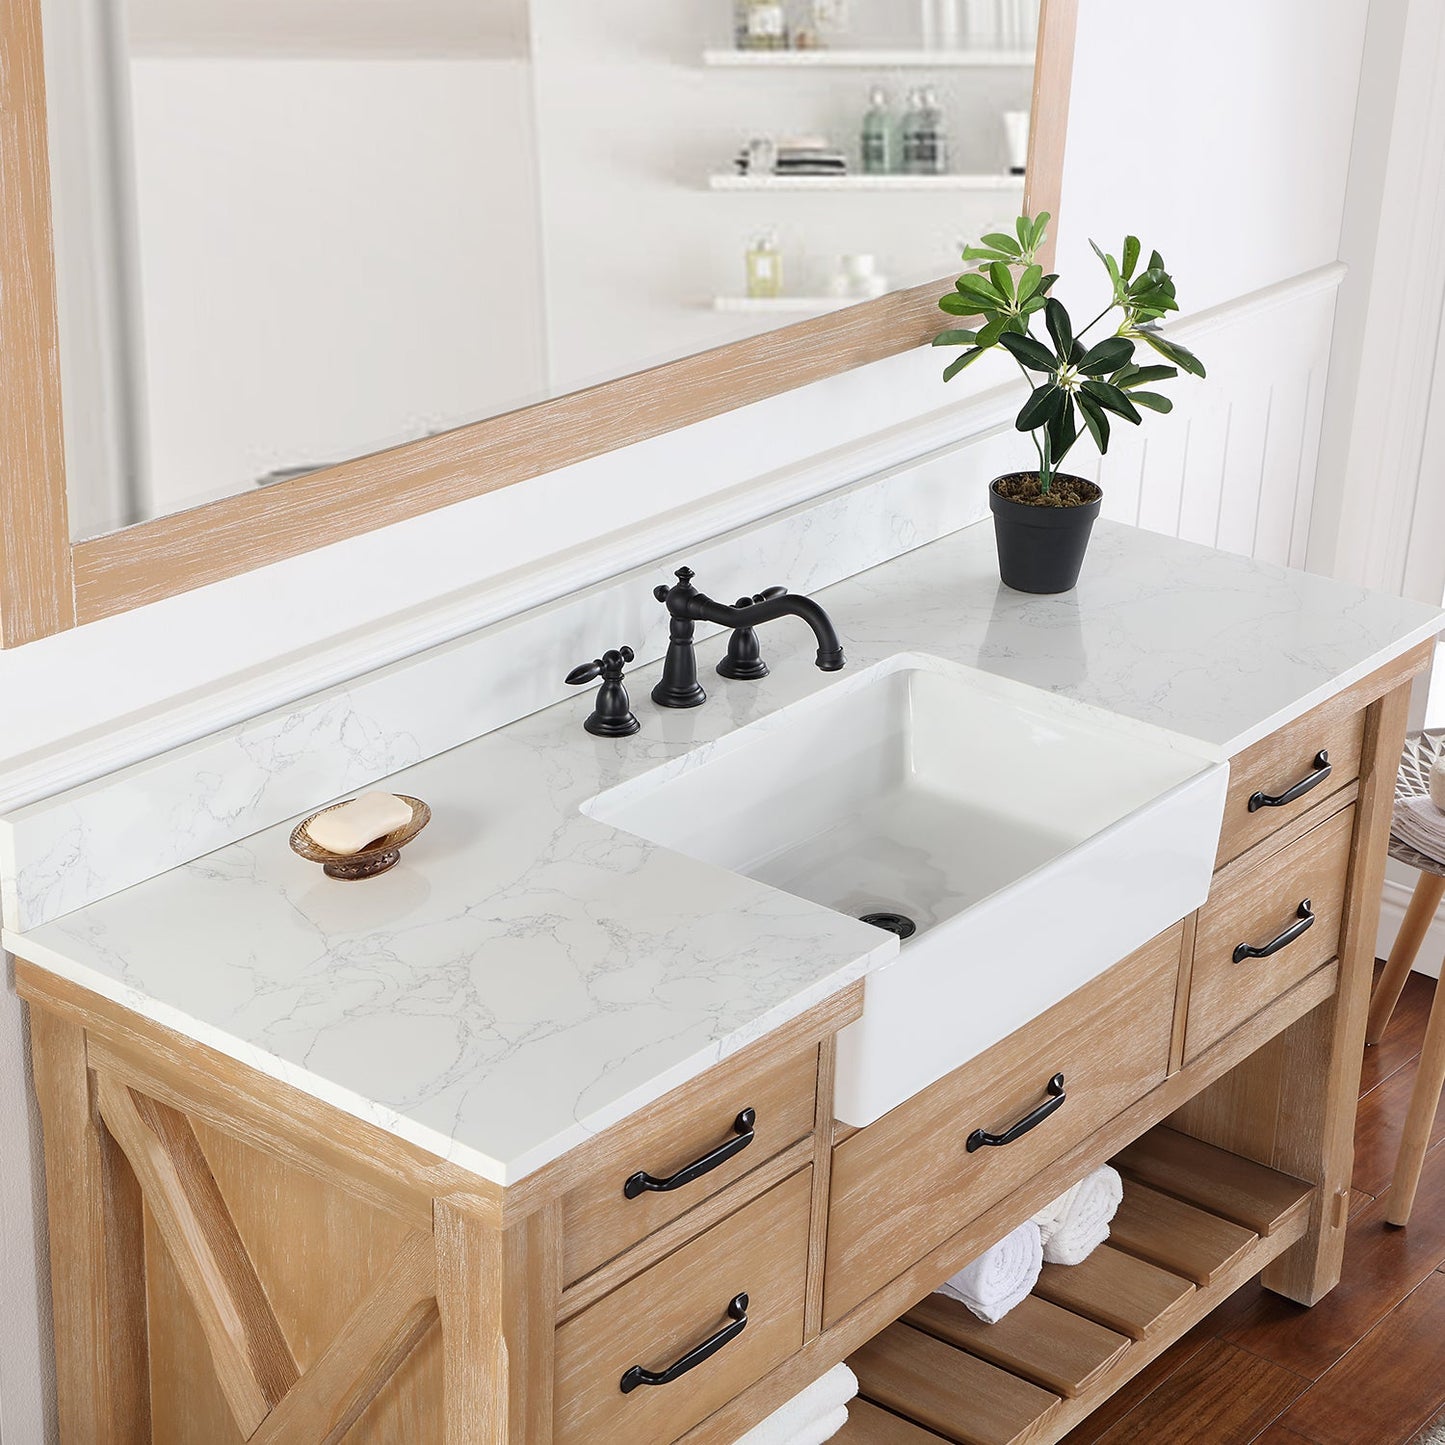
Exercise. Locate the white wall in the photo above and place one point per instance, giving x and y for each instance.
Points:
(320, 275)
(1257, 198)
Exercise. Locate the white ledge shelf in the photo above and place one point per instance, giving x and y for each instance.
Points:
(865, 183)
(868, 59)
(783, 305)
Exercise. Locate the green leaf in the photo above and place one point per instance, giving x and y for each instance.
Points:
(1172, 351)
(1030, 353)
(1095, 419)
(1003, 280)
(1112, 399)
(1029, 282)
(957, 365)
(1042, 406)
(1156, 261)
(955, 338)
(990, 332)
(1038, 229)
(957, 305)
(1131, 376)
(1005, 245)
(1131, 255)
(985, 254)
(980, 289)
(1060, 327)
(1063, 430)
(1152, 400)
(1109, 355)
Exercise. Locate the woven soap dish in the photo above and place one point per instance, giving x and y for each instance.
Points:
(377, 857)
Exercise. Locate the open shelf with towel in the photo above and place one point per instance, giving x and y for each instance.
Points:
(1196, 1222)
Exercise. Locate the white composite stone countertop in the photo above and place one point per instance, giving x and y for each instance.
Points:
(528, 976)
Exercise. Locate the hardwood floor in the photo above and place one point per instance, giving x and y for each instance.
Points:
(1366, 1366)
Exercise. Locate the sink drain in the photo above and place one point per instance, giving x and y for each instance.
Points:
(899, 923)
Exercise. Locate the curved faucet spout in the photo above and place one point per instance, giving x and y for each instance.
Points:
(830, 654)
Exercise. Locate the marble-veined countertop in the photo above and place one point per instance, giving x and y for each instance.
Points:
(528, 976)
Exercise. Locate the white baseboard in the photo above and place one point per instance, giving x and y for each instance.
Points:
(1392, 913)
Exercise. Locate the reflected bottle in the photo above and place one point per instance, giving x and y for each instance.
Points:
(928, 153)
(765, 267)
(908, 132)
(879, 144)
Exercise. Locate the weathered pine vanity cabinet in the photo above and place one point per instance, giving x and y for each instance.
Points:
(234, 1260)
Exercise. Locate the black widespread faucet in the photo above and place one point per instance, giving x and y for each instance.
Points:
(686, 607)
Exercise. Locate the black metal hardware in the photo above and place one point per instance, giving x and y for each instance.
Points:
(744, 658)
(686, 607)
(981, 1138)
(612, 717)
(644, 1183)
(1305, 914)
(1322, 770)
(737, 1312)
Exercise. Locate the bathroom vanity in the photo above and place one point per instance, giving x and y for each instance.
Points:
(535, 1139)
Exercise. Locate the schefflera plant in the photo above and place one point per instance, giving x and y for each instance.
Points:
(1071, 381)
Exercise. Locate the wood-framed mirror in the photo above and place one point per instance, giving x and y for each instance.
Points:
(51, 580)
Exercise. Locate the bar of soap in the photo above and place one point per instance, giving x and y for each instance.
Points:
(349, 828)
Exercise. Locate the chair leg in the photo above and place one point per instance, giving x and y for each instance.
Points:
(1421, 1119)
(1418, 917)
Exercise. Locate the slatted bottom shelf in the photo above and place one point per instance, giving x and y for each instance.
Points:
(1196, 1223)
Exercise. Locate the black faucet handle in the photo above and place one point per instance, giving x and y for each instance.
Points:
(767, 594)
(612, 717)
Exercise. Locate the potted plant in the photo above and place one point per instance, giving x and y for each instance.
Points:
(1043, 517)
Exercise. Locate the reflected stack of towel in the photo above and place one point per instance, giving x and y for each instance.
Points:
(1067, 1231)
(812, 1417)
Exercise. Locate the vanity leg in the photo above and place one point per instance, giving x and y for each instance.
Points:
(97, 1250)
(497, 1293)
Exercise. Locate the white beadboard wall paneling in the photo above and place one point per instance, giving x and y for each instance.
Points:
(85, 842)
(1380, 458)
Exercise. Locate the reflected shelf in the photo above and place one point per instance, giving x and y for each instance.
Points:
(865, 183)
(869, 59)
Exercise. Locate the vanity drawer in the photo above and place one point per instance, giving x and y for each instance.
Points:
(679, 1304)
(773, 1099)
(1258, 907)
(1279, 765)
(906, 1182)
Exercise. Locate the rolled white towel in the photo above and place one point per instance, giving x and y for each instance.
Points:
(1077, 1222)
(1002, 1277)
(810, 1417)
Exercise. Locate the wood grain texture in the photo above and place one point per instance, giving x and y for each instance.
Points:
(35, 567)
(1389, 1385)
(822, 1185)
(1222, 1396)
(1176, 1236)
(950, 1392)
(97, 1254)
(253, 1361)
(870, 1425)
(599, 1222)
(385, 1327)
(1419, 1130)
(497, 1292)
(1276, 763)
(1225, 1184)
(1254, 906)
(1117, 1290)
(1110, 1039)
(652, 1321)
(1053, 1348)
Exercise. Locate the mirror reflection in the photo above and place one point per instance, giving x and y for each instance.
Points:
(293, 232)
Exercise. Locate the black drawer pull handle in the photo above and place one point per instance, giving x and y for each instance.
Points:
(737, 1309)
(644, 1183)
(1306, 916)
(1322, 770)
(981, 1137)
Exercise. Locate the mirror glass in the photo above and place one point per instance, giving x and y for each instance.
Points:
(293, 232)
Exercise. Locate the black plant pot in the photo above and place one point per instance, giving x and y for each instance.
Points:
(1041, 549)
